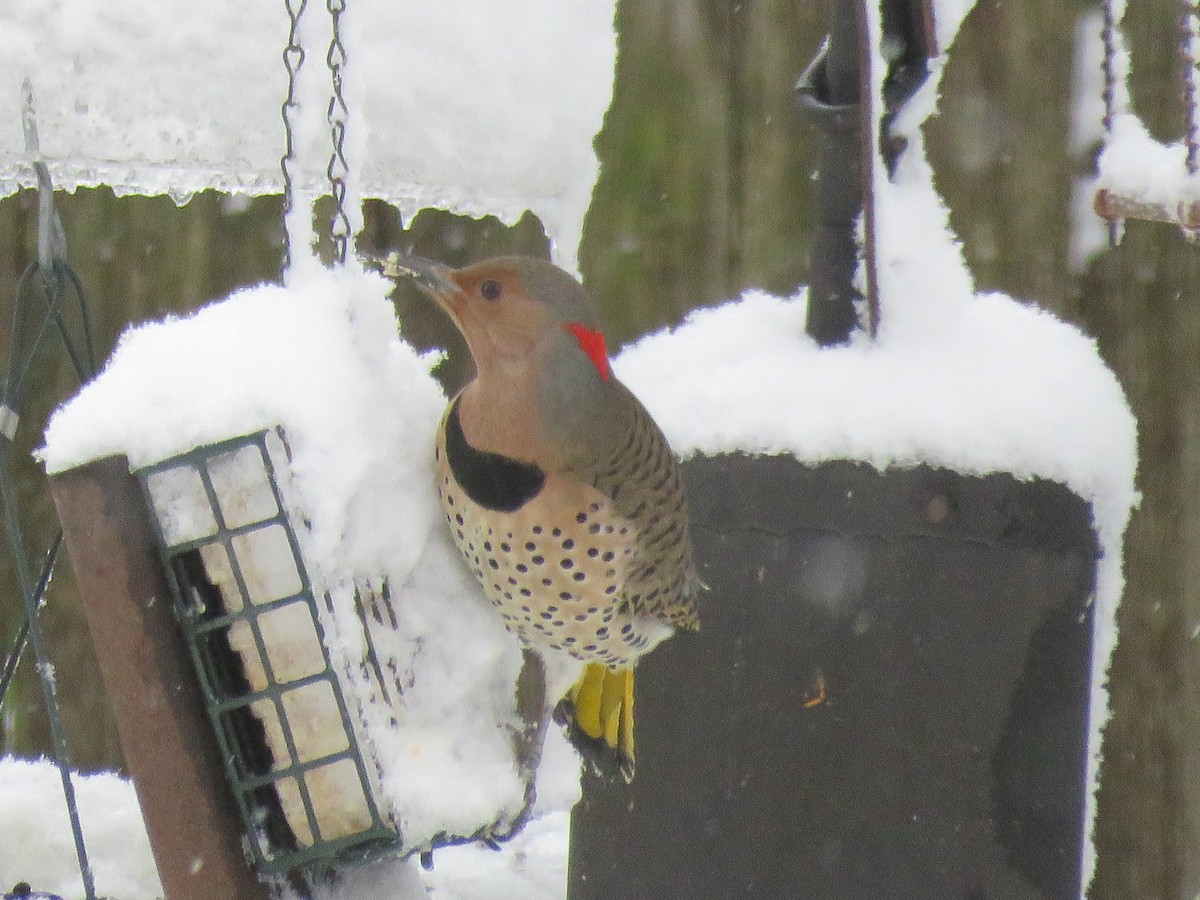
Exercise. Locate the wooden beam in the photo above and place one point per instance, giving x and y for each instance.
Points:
(194, 827)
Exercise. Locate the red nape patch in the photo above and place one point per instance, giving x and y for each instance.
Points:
(591, 343)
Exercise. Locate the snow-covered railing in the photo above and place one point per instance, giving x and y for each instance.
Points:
(175, 97)
(1141, 177)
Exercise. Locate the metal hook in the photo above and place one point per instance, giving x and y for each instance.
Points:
(812, 96)
(52, 239)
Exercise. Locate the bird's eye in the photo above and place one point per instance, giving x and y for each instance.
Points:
(490, 290)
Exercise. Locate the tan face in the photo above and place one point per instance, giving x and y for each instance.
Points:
(542, 387)
(503, 325)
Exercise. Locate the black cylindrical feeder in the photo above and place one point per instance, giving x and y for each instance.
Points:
(888, 697)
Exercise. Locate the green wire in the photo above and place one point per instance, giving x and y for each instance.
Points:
(53, 283)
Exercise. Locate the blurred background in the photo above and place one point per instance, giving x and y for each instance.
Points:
(706, 189)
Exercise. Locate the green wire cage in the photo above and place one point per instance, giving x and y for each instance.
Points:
(248, 613)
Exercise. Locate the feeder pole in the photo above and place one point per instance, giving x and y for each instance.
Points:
(194, 828)
(828, 97)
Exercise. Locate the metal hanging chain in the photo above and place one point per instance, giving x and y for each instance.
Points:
(1109, 36)
(338, 113)
(338, 170)
(293, 59)
(1189, 45)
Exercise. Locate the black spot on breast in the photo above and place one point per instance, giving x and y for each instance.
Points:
(491, 480)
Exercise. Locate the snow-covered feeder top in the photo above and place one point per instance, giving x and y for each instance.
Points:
(475, 106)
(426, 663)
(323, 360)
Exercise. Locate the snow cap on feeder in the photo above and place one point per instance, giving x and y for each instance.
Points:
(428, 673)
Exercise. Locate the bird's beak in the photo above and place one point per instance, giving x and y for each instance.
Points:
(431, 277)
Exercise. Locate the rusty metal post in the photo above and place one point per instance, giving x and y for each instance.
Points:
(1113, 207)
(193, 824)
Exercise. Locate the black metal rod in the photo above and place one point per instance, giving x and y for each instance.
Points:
(828, 96)
(45, 668)
(22, 638)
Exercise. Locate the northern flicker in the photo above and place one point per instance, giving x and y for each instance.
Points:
(560, 491)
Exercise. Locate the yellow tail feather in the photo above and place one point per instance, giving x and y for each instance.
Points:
(603, 710)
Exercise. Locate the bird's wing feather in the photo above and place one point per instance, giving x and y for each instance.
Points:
(641, 477)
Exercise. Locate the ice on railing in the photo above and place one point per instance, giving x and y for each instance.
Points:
(476, 106)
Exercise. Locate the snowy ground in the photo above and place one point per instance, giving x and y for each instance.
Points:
(37, 848)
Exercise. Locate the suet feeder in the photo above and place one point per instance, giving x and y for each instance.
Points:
(318, 683)
(252, 625)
